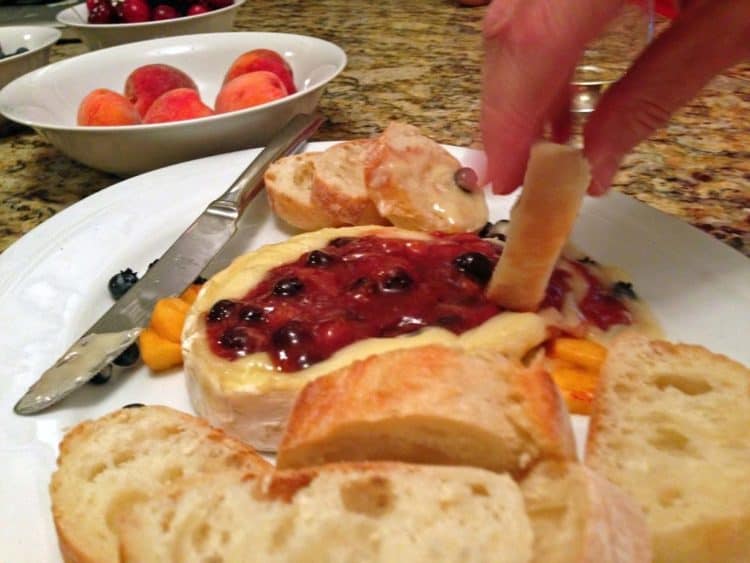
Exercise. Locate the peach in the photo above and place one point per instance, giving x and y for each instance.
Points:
(148, 82)
(177, 105)
(262, 59)
(105, 107)
(248, 90)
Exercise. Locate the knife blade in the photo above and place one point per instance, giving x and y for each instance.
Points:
(171, 274)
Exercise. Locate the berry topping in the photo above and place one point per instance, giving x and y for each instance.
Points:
(475, 265)
(120, 283)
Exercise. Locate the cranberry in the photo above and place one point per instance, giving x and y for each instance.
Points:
(196, 9)
(466, 179)
(396, 281)
(101, 13)
(251, 315)
(135, 11)
(164, 12)
(288, 287)
(319, 258)
(475, 265)
(221, 310)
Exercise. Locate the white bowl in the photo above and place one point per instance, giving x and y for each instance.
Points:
(38, 41)
(98, 36)
(47, 99)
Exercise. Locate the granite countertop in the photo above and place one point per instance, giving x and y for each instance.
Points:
(419, 62)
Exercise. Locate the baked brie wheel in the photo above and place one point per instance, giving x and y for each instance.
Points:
(248, 394)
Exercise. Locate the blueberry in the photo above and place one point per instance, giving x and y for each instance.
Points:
(21, 50)
(475, 265)
(288, 287)
(290, 335)
(250, 314)
(102, 377)
(234, 338)
(200, 280)
(624, 289)
(319, 258)
(120, 283)
(133, 406)
(221, 310)
(396, 281)
(128, 357)
(340, 241)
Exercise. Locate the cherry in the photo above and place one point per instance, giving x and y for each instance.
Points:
(135, 11)
(196, 9)
(101, 13)
(164, 12)
(216, 4)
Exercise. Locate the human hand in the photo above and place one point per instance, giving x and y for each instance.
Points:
(532, 47)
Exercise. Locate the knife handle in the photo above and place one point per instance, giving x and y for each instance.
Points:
(289, 139)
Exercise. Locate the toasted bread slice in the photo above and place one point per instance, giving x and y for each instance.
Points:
(434, 405)
(344, 513)
(540, 224)
(670, 426)
(580, 517)
(411, 180)
(108, 463)
(339, 186)
(289, 185)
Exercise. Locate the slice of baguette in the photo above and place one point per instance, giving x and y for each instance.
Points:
(108, 463)
(410, 178)
(434, 405)
(579, 517)
(540, 224)
(289, 185)
(343, 513)
(339, 184)
(671, 426)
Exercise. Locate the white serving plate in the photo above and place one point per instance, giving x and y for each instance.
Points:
(98, 36)
(48, 99)
(53, 285)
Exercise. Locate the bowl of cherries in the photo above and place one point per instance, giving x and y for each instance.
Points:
(105, 23)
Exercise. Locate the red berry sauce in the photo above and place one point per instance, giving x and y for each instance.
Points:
(357, 288)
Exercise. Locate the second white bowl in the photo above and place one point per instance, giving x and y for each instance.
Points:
(48, 99)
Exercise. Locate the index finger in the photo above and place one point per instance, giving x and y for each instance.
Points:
(531, 48)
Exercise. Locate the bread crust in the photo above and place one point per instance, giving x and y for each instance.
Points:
(432, 405)
(339, 185)
(289, 185)
(411, 180)
(540, 224)
(78, 542)
(688, 467)
(580, 517)
(249, 398)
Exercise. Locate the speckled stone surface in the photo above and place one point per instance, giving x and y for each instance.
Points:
(419, 61)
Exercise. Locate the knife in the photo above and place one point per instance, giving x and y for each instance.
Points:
(173, 272)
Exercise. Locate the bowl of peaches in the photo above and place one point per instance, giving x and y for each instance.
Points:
(106, 23)
(141, 106)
